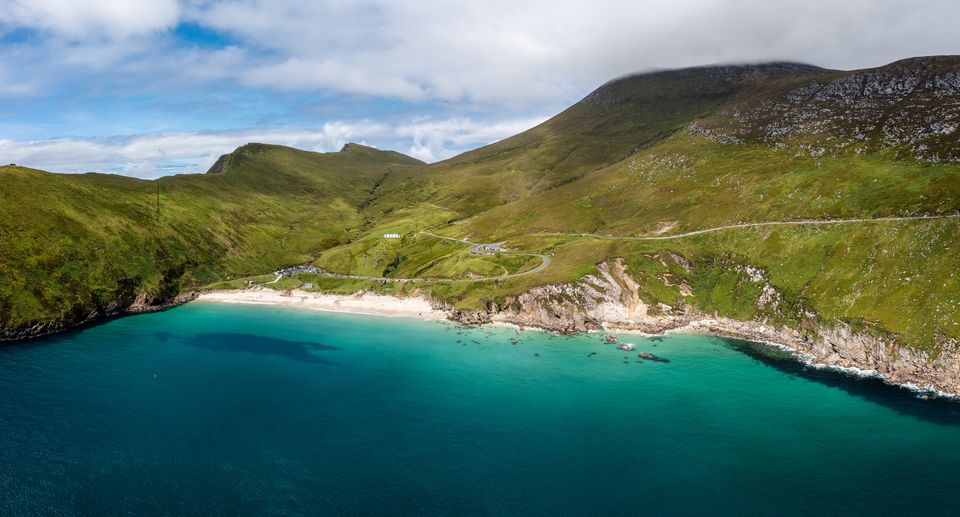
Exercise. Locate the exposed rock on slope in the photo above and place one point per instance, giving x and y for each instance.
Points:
(611, 300)
(912, 106)
(140, 303)
(220, 166)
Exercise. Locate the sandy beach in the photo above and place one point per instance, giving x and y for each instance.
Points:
(362, 303)
(420, 308)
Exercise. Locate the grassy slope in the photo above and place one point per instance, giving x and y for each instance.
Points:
(688, 183)
(76, 242)
(607, 126)
(894, 277)
(625, 161)
(909, 108)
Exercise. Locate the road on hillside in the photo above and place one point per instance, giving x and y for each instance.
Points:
(802, 222)
(545, 260)
(544, 264)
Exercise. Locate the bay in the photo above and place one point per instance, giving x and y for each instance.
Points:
(216, 409)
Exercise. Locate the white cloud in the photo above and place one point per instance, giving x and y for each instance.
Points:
(105, 67)
(297, 74)
(504, 50)
(149, 156)
(92, 18)
(433, 140)
(494, 51)
(13, 86)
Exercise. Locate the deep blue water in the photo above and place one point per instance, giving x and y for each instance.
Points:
(213, 409)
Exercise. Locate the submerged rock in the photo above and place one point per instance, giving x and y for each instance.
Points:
(610, 298)
(651, 357)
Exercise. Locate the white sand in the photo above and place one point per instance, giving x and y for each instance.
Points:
(361, 303)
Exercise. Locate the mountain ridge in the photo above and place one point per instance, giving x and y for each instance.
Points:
(655, 154)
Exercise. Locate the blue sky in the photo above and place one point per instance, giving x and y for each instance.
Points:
(154, 87)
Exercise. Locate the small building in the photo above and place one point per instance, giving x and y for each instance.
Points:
(391, 236)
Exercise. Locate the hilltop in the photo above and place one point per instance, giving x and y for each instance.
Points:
(77, 247)
(908, 107)
(599, 190)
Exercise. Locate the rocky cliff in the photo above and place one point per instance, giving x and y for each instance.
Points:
(611, 300)
(138, 303)
(909, 106)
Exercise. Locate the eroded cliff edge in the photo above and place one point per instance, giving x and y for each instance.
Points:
(136, 303)
(612, 300)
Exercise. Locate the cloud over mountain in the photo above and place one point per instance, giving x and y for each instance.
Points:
(92, 70)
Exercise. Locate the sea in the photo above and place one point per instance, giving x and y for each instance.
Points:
(220, 409)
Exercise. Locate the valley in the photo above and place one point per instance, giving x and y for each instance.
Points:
(813, 225)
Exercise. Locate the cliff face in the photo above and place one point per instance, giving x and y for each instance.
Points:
(611, 300)
(135, 304)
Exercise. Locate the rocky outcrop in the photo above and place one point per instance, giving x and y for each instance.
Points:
(838, 345)
(139, 303)
(608, 297)
(220, 166)
(611, 300)
(910, 106)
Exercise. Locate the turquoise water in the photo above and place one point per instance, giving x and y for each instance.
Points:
(213, 409)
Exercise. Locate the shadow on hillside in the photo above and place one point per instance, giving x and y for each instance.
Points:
(304, 351)
(942, 411)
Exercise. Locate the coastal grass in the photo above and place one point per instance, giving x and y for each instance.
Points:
(624, 162)
(687, 183)
(897, 278)
(77, 244)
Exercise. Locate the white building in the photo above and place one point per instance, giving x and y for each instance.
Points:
(391, 236)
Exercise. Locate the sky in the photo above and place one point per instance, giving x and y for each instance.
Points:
(149, 88)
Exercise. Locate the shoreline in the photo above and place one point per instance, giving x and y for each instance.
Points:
(709, 327)
(716, 328)
(368, 304)
(371, 304)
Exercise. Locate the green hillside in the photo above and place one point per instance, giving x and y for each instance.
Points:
(672, 152)
(73, 244)
(652, 155)
(606, 127)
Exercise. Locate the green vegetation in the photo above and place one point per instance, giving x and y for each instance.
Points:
(656, 154)
(75, 244)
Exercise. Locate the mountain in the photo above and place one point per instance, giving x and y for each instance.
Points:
(76, 247)
(908, 107)
(606, 127)
(819, 205)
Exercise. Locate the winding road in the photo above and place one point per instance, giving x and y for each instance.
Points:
(802, 222)
(545, 260)
(544, 263)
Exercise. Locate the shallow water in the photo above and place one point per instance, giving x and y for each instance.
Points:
(220, 409)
